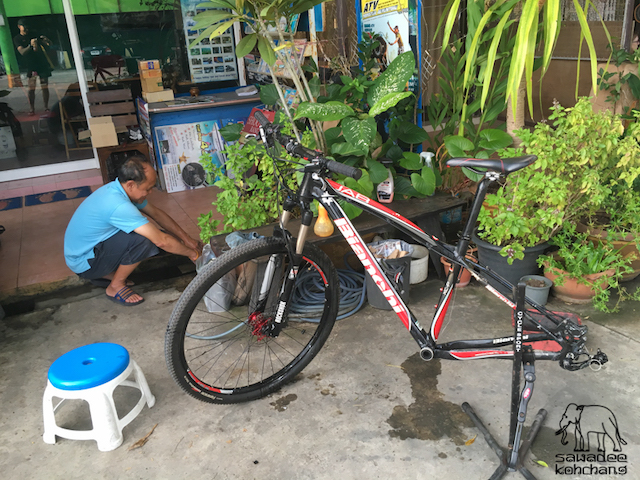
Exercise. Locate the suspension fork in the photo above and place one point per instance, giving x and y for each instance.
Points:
(274, 327)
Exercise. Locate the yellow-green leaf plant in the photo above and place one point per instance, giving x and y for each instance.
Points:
(536, 23)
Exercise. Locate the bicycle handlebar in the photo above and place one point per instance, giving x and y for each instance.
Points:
(293, 147)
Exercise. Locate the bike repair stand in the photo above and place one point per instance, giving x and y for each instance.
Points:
(512, 460)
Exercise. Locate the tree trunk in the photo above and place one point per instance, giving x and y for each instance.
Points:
(515, 122)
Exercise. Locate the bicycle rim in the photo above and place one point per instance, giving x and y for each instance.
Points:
(224, 356)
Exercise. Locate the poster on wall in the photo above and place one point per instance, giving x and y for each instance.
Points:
(394, 24)
(183, 148)
(210, 60)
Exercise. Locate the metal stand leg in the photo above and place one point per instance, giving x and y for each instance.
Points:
(512, 459)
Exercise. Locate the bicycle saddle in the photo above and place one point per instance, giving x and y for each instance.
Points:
(502, 165)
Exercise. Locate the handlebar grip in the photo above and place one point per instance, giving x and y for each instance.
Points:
(261, 119)
(343, 169)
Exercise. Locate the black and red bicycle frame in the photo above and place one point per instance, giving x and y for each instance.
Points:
(427, 338)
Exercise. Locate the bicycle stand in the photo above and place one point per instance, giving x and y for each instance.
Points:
(512, 459)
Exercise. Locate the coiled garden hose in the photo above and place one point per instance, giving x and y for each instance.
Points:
(308, 297)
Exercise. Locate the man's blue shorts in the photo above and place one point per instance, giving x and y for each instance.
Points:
(120, 249)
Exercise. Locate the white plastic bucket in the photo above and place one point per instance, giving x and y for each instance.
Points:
(419, 264)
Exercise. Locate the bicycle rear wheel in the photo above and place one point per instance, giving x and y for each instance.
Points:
(223, 356)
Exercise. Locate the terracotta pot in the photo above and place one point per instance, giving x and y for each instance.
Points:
(627, 247)
(464, 277)
(572, 291)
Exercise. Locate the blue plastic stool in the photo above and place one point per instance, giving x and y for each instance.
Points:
(92, 373)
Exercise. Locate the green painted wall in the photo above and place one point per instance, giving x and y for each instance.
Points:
(25, 8)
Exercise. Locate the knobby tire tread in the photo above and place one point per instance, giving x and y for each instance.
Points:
(191, 298)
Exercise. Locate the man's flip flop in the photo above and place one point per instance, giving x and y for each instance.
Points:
(105, 282)
(122, 295)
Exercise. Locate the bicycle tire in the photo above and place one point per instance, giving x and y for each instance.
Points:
(222, 357)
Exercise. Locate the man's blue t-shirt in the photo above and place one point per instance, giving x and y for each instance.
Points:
(104, 213)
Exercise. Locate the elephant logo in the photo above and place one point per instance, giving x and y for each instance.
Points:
(588, 420)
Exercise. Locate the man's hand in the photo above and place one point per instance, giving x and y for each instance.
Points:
(194, 244)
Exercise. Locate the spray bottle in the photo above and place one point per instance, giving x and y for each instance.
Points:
(385, 188)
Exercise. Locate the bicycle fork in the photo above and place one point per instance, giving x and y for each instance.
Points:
(274, 327)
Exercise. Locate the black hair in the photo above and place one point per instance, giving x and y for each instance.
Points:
(24, 22)
(133, 169)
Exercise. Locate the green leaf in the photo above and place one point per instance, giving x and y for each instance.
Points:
(359, 132)
(408, 133)
(245, 45)
(332, 135)
(206, 19)
(403, 186)
(394, 78)
(222, 27)
(324, 112)
(218, 4)
(494, 139)
(429, 177)
(411, 161)
(203, 35)
(458, 146)
(388, 101)
(266, 52)
(345, 148)
(418, 183)
(377, 172)
(269, 94)
(231, 132)
(395, 153)
(314, 86)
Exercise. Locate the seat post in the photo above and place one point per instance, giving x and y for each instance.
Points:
(481, 193)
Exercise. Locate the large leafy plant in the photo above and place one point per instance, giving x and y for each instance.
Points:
(273, 40)
(581, 154)
(455, 112)
(367, 107)
(535, 22)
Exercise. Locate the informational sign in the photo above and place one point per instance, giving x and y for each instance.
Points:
(210, 60)
(395, 25)
(183, 149)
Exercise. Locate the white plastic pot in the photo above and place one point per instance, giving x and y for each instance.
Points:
(419, 264)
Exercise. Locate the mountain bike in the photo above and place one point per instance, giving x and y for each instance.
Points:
(261, 339)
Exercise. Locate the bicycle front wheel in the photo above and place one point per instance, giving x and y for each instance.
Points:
(216, 347)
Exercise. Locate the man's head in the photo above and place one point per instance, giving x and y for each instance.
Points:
(137, 177)
(23, 26)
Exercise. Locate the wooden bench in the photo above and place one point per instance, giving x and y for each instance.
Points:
(424, 212)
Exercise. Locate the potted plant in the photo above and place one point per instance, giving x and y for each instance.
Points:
(583, 271)
(618, 223)
(618, 220)
(580, 154)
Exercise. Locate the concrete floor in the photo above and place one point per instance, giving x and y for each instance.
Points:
(365, 408)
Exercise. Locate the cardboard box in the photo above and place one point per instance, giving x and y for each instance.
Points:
(148, 65)
(151, 73)
(102, 132)
(164, 96)
(151, 84)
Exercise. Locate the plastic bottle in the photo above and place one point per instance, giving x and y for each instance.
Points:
(323, 226)
(385, 189)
